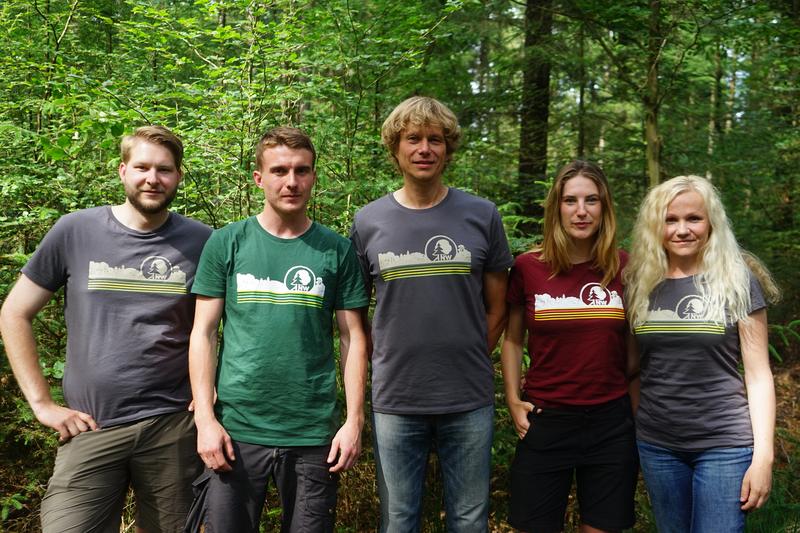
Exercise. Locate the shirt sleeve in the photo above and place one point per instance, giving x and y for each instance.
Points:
(350, 293)
(499, 256)
(48, 266)
(515, 295)
(363, 260)
(212, 272)
(757, 301)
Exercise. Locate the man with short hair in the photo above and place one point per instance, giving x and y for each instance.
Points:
(438, 259)
(276, 280)
(126, 270)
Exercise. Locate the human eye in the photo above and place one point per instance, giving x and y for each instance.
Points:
(592, 200)
(671, 219)
(569, 200)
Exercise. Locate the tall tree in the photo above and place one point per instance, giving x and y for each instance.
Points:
(534, 106)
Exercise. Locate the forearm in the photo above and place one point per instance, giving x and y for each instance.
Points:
(202, 373)
(761, 402)
(496, 322)
(511, 363)
(354, 376)
(20, 346)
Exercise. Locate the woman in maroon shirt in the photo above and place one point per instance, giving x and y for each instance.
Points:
(574, 415)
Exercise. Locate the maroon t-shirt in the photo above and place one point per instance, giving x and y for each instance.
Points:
(576, 332)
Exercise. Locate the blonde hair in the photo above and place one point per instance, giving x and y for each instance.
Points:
(420, 111)
(155, 135)
(723, 273)
(554, 248)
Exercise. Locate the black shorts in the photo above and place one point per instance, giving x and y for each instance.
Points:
(596, 445)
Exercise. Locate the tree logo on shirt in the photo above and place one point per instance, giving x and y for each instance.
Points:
(299, 278)
(156, 267)
(691, 307)
(595, 294)
(440, 248)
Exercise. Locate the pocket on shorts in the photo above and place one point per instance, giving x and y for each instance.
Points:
(196, 517)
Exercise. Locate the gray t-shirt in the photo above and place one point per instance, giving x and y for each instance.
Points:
(128, 310)
(429, 328)
(692, 395)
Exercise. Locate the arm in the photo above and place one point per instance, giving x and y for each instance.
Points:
(16, 322)
(757, 480)
(214, 445)
(511, 361)
(494, 299)
(353, 347)
(632, 372)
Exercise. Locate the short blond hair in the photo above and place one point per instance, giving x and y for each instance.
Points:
(155, 135)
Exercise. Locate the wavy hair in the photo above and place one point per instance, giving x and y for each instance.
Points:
(554, 248)
(723, 273)
(420, 111)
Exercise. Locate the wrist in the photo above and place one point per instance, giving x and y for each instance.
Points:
(356, 419)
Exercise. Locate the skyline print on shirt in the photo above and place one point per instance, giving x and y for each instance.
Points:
(155, 274)
(300, 286)
(687, 317)
(441, 256)
(593, 302)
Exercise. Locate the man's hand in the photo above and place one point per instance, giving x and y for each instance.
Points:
(66, 421)
(215, 446)
(347, 445)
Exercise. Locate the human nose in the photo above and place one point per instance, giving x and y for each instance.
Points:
(581, 208)
(424, 146)
(291, 179)
(151, 176)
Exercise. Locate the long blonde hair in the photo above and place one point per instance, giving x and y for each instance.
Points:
(723, 275)
(554, 248)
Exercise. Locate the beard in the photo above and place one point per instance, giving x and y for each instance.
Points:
(151, 207)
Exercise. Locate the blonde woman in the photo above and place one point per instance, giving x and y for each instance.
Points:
(705, 435)
(574, 418)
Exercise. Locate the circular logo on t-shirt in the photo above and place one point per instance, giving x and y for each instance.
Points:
(299, 278)
(595, 294)
(440, 248)
(691, 307)
(156, 267)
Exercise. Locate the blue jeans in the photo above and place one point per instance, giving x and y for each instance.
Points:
(463, 442)
(695, 492)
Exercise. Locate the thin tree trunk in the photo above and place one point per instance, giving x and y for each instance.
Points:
(534, 108)
(651, 96)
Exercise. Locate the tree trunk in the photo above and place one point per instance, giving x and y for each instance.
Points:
(651, 96)
(534, 109)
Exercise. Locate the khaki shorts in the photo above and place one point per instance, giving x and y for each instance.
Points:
(156, 456)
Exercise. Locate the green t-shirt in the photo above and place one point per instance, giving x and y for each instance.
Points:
(276, 377)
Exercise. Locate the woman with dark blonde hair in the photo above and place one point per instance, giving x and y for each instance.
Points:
(697, 306)
(574, 418)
